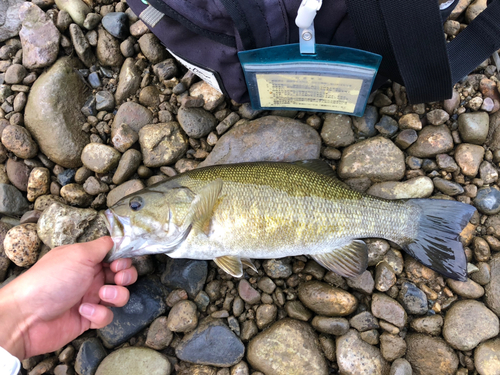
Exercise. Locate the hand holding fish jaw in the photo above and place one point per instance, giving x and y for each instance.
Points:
(61, 296)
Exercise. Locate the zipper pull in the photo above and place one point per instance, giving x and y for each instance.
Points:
(305, 22)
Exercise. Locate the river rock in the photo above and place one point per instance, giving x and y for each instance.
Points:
(146, 303)
(123, 190)
(392, 346)
(182, 317)
(12, 201)
(430, 355)
(38, 183)
(418, 187)
(446, 187)
(437, 117)
(282, 348)
(432, 140)
(269, 138)
(401, 367)
(116, 23)
(189, 275)
(337, 130)
(492, 290)
(81, 45)
(18, 140)
(134, 115)
(212, 97)
(10, 22)
(468, 158)
(196, 122)
(468, 323)
(278, 268)
(355, 356)
(413, 299)
(473, 127)
(18, 173)
(77, 9)
(4, 259)
(129, 162)
(135, 361)
(76, 195)
(39, 37)
(108, 49)
(487, 200)
(162, 143)
(63, 225)
(428, 324)
(22, 245)
(388, 309)
(45, 201)
(326, 300)
(129, 82)
(365, 126)
(48, 121)
(90, 354)
(100, 158)
(487, 358)
(376, 158)
(152, 48)
(331, 326)
(159, 336)
(410, 121)
(212, 343)
(468, 289)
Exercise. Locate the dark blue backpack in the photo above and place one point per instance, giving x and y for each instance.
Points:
(409, 35)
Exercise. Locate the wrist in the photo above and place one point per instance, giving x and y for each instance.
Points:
(13, 326)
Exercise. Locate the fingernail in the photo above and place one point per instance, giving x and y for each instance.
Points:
(125, 278)
(109, 293)
(121, 265)
(86, 309)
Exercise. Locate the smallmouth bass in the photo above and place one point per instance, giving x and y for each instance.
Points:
(233, 213)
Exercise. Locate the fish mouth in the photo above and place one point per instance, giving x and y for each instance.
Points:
(116, 231)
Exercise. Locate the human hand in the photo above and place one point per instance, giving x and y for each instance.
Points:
(61, 296)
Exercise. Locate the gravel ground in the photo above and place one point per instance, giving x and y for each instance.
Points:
(93, 108)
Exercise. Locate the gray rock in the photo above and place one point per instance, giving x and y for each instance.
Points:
(186, 274)
(277, 268)
(247, 293)
(75, 195)
(364, 321)
(18, 174)
(182, 317)
(135, 361)
(146, 303)
(15, 74)
(430, 355)
(132, 114)
(429, 324)
(4, 260)
(129, 162)
(152, 48)
(81, 45)
(129, 81)
(12, 201)
(363, 283)
(159, 336)
(104, 101)
(401, 367)
(39, 37)
(122, 190)
(468, 158)
(388, 309)
(432, 140)
(406, 138)
(331, 326)
(265, 315)
(365, 126)
(392, 346)
(385, 277)
(77, 9)
(473, 127)
(376, 158)
(437, 117)
(492, 290)
(268, 138)
(487, 200)
(446, 163)
(196, 122)
(387, 126)
(100, 158)
(487, 357)
(280, 350)
(165, 70)
(116, 23)
(95, 187)
(10, 24)
(487, 172)
(450, 188)
(418, 187)
(63, 225)
(450, 105)
(162, 144)
(18, 140)
(413, 299)
(124, 138)
(212, 343)
(326, 300)
(468, 323)
(91, 21)
(468, 289)
(355, 356)
(22, 245)
(90, 354)
(296, 310)
(212, 97)
(48, 121)
(108, 49)
(337, 130)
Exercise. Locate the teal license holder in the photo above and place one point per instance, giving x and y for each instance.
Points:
(310, 77)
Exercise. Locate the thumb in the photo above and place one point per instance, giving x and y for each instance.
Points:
(95, 251)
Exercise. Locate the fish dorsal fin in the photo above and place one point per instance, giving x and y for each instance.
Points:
(348, 261)
(231, 264)
(203, 205)
(318, 166)
(248, 262)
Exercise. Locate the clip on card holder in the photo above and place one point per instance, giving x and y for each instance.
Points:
(307, 76)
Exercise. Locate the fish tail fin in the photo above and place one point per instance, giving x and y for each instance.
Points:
(437, 241)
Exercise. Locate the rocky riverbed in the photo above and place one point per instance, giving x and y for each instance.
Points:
(93, 108)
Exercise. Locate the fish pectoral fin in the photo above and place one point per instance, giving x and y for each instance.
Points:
(231, 264)
(348, 261)
(248, 262)
(203, 205)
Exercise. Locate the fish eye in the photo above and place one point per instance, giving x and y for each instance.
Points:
(136, 203)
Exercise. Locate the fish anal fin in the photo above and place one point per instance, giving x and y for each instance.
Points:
(203, 205)
(248, 262)
(230, 264)
(349, 261)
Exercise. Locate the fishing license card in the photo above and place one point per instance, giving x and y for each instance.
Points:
(334, 79)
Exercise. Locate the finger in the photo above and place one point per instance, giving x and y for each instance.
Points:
(121, 264)
(96, 250)
(109, 276)
(126, 277)
(98, 315)
(116, 295)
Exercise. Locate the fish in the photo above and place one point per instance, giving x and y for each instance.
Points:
(234, 213)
